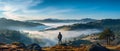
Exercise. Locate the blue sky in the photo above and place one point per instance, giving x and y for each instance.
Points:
(61, 9)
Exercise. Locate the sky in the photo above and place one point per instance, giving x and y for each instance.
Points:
(60, 9)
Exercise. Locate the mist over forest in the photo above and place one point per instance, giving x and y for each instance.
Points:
(37, 32)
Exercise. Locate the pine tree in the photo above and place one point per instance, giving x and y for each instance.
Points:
(107, 35)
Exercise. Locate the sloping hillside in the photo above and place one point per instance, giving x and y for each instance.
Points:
(9, 36)
(113, 24)
(4, 23)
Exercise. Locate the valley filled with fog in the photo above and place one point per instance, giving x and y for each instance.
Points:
(49, 38)
(37, 31)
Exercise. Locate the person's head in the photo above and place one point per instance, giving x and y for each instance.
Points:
(59, 32)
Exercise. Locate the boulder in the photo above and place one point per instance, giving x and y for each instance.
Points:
(35, 47)
(97, 47)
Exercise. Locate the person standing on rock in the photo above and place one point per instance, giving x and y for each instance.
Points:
(59, 38)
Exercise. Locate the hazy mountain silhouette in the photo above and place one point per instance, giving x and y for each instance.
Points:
(5, 23)
(113, 24)
(50, 20)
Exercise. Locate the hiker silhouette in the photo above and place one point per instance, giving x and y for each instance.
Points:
(59, 38)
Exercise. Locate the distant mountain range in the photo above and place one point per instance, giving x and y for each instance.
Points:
(5, 23)
(113, 24)
(50, 20)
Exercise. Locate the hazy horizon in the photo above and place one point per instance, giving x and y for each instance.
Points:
(59, 9)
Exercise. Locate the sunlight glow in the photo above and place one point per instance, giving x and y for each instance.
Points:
(7, 8)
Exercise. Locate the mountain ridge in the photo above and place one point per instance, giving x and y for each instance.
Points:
(5, 23)
(99, 24)
(50, 20)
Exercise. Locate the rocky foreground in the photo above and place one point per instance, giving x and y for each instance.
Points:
(92, 47)
(36, 47)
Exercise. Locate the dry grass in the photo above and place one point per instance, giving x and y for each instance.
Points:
(66, 48)
(70, 48)
(114, 48)
(82, 48)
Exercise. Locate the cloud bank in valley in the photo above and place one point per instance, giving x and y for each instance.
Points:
(52, 35)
